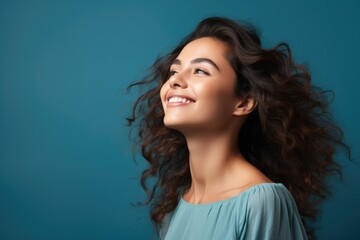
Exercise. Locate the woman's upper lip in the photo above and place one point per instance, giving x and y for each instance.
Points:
(170, 95)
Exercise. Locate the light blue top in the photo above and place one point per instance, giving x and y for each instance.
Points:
(264, 211)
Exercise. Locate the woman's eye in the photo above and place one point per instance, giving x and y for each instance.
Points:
(172, 72)
(200, 71)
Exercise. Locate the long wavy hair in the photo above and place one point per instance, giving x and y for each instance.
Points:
(291, 136)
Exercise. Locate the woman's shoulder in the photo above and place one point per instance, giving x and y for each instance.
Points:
(269, 200)
(268, 190)
(271, 208)
(269, 197)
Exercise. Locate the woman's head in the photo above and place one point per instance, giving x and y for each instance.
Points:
(200, 93)
(286, 130)
(237, 47)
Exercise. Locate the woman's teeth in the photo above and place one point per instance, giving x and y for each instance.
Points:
(179, 100)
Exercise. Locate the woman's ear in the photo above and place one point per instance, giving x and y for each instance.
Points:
(245, 106)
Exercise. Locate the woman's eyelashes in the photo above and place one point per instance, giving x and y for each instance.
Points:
(201, 71)
(197, 71)
(172, 72)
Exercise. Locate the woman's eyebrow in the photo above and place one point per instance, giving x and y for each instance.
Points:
(176, 62)
(198, 60)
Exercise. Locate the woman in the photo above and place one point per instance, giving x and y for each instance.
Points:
(238, 141)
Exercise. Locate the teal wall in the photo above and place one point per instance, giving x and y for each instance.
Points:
(65, 162)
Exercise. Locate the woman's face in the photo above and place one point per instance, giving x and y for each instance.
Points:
(200, 93)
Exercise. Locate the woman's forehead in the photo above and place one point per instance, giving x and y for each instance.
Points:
(206, 47)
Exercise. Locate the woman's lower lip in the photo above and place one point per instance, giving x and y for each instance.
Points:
(178, 104)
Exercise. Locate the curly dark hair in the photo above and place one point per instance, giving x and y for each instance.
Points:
(291, 136)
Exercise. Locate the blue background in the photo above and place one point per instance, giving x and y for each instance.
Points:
(66, 170)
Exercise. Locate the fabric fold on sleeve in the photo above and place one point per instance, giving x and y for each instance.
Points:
(271, 213)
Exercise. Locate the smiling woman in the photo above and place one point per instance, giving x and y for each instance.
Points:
(239, 141)
(206, 79)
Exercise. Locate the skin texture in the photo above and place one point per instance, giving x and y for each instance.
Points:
(210, 118)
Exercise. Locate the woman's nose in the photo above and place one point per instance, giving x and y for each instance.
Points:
(177, 81)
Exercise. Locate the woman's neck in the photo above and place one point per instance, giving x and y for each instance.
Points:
(215, 164)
